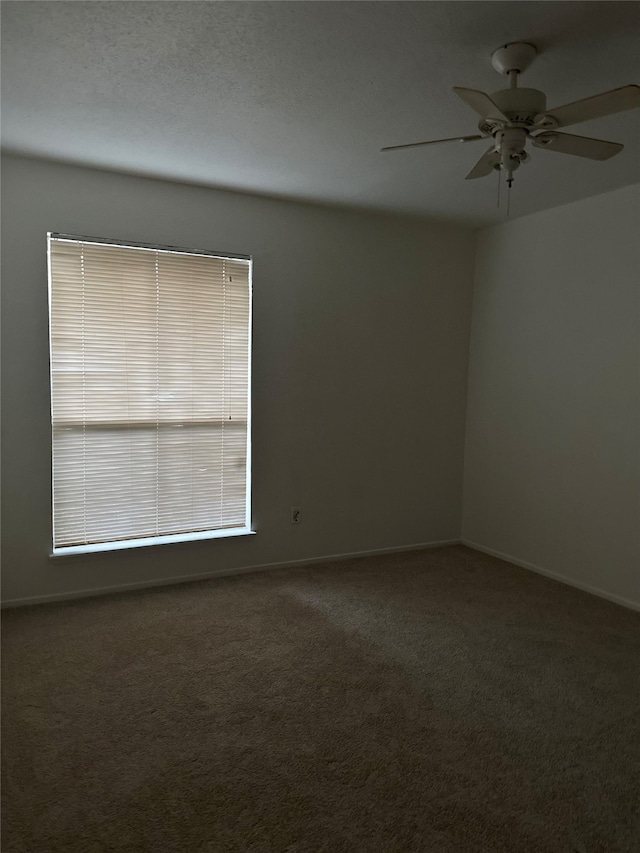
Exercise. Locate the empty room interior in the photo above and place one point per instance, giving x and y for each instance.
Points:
(321, 427)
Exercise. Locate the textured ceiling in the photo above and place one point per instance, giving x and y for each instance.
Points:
(295, 99)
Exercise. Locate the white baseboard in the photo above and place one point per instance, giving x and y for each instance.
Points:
(594, 590)
(129, 587)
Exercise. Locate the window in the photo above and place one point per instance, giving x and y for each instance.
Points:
(150, 377)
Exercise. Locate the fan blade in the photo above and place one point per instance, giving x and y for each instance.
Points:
(485, 164)
(581, 146)
(480, 102)
(606, 104)
(433, 142)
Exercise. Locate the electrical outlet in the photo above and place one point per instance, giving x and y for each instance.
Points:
(295, 515)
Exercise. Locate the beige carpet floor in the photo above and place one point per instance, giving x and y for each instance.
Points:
(426, 701)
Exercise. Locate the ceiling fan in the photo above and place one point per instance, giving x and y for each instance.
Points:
(512, 116)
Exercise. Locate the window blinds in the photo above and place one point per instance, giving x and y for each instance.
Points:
(150, 392)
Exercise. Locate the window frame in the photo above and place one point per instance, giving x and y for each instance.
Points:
(161, 539)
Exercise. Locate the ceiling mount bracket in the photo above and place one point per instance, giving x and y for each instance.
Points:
(516, 56)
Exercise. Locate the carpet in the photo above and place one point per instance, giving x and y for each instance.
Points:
(441, 701)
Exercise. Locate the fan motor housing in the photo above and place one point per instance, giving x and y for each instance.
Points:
(521, 106)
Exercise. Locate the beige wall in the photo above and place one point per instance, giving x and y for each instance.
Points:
(552, 469)
(361, 327)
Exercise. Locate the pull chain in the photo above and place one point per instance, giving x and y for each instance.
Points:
(499, 182)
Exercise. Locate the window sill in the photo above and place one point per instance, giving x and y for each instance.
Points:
(125, 544)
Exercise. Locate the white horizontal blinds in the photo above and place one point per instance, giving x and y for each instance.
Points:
(150, 365)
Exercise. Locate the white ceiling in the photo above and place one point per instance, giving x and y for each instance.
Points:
(295, 99)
